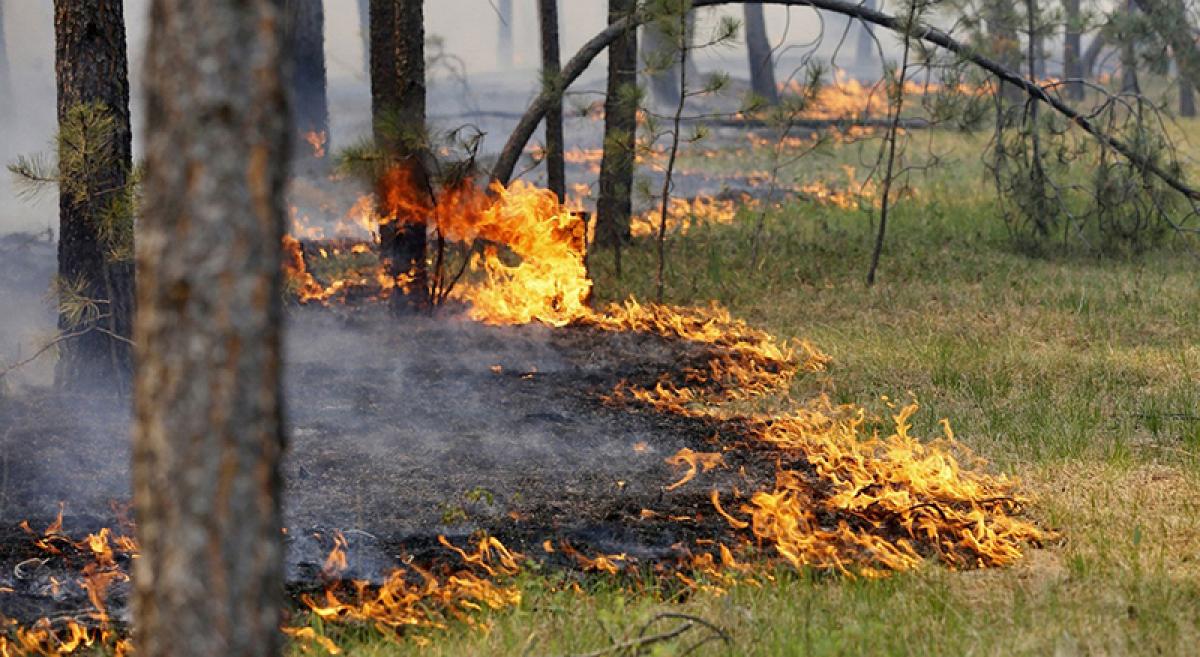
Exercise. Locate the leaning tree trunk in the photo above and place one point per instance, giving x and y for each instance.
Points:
(614, 205)
(555, 167)
(762, 60)
(309, 100)
(6, 87)
(1072, 42)
(95, 272)
(504, 35)
(398, 111)
(208, 436)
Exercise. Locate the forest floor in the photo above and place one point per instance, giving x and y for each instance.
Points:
(1080, 375)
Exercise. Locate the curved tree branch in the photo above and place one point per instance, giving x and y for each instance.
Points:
(503, 169)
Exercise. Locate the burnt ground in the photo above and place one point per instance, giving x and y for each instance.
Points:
(401, 432)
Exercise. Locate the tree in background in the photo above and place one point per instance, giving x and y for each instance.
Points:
(660, 55)
(208, 438)
(398, 117)
(555, 167)
(614, 206)
(1169, 19)
(865, 48)
(307, 85)
(95, 158)
(504, 34)
(5, 72)
(1072, 49)
(1127, 37)
(762, 59)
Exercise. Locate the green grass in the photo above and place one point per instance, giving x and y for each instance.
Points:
(1078, 374)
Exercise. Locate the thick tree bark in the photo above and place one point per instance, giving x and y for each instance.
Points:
(6, 87)
(1072, 42)
(511, 153)
(207, 432)
(504, 35)
(398, 110)
(92, 71)
(309, 99)
(614, 206)
(551, 69)
(762, 60)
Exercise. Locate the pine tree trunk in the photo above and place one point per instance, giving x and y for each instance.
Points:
(92, 70)
(398, 110)
(1072, 48)
(207, 433)
(504, 42)
(308, 94)
(6, 87)
(555, 167)
(614, 205)
(762, 60)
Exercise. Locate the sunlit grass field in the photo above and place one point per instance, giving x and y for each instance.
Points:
(1078, 374)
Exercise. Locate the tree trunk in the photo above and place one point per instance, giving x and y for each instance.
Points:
(614, 205)
(1187, 98)
(762, 60)
(555, 168)
(309, 100)
(1072, 42)
(504, 42)
(1091, 56)
(207, 433)
(1129, 76)
(502, 170)
(398, 111)
(1169, 18)
(661, 45)
(1003, 44)
(658, 55)
(93, 262)
(865, 49)
(6, 88)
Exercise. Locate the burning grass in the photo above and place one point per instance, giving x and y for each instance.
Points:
(809, 487)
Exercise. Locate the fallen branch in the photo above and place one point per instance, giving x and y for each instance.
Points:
(510, 154)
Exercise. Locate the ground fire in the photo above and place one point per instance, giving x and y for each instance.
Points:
(808, 486)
